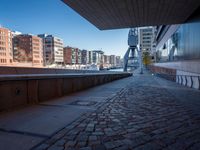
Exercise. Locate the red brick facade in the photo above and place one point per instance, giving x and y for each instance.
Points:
(28, 49)
(6, 52)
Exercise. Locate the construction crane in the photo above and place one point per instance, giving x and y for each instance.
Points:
(133, 56)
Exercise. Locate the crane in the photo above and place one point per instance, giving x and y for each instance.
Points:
(133, 56)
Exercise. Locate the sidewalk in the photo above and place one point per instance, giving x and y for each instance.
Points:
(139, 112)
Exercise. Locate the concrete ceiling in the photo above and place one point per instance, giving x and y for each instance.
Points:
(114, 14)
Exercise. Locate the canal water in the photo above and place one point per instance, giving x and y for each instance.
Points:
(120, 69)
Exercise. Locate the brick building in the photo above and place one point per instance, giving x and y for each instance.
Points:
(28, 49)
(6, 52)
(69, 55)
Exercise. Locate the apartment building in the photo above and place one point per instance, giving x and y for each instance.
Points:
(78, 56)
(118, 61)
(106, 59)
(53, 49)
(146, 39)
(28, 49)
(113, 60)
(69, 55)
(84, 57)
(6, 52)
(97, 57)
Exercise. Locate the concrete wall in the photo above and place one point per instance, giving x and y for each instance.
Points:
(173, 73)
(17, 91)
(192, 66)
(167, 73)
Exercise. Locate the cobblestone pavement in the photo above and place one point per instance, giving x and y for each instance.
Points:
(144, 115)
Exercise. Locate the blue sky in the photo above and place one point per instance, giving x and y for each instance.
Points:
(54, 17)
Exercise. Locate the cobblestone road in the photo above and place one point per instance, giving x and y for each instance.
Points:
(144, 115)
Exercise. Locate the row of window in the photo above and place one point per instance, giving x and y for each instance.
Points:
(37, 61)
(146, 41)
(36, 44)
(147, 38)
(2, 54)
(36, 52)
(2, 43)
(3, 60)
(2, 48)
(147, 30)
(36, 48)
(36, 56)
(36, 40)
(3, 38)
(146, 45)
(145, 34)
(2, 33)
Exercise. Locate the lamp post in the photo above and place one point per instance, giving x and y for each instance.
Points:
(140, 58)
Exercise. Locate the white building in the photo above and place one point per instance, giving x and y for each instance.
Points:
(146, 39)
(15, 33)
(118, 61)
(97, 57)
(113, 60)
(53, 49)
(90, 57)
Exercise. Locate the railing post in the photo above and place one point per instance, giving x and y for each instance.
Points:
(186, 80)
(191, 81)
(181, 80)
(177, 78)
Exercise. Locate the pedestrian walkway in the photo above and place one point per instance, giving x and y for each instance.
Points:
(139, 112)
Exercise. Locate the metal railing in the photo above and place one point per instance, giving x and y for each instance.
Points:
(186, 80)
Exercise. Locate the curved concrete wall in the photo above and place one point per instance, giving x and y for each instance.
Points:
(16, 91)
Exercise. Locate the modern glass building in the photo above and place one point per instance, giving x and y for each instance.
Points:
(184, 44)
(178, 46)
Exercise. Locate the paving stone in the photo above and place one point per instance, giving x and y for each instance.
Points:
(81, 144)
(43, 146)
(93, 143)
(92, 138)
(86, 148)
(98, 133)
(124, 147)
(70, 144)
(82, 138)
(195, 146)
(144, 115)
(60, 142)
(70, 137)
(148, 146)
(55, 147)
(99, 147)
(109, 145)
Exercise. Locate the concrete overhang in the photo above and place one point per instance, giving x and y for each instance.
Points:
(115, 14)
